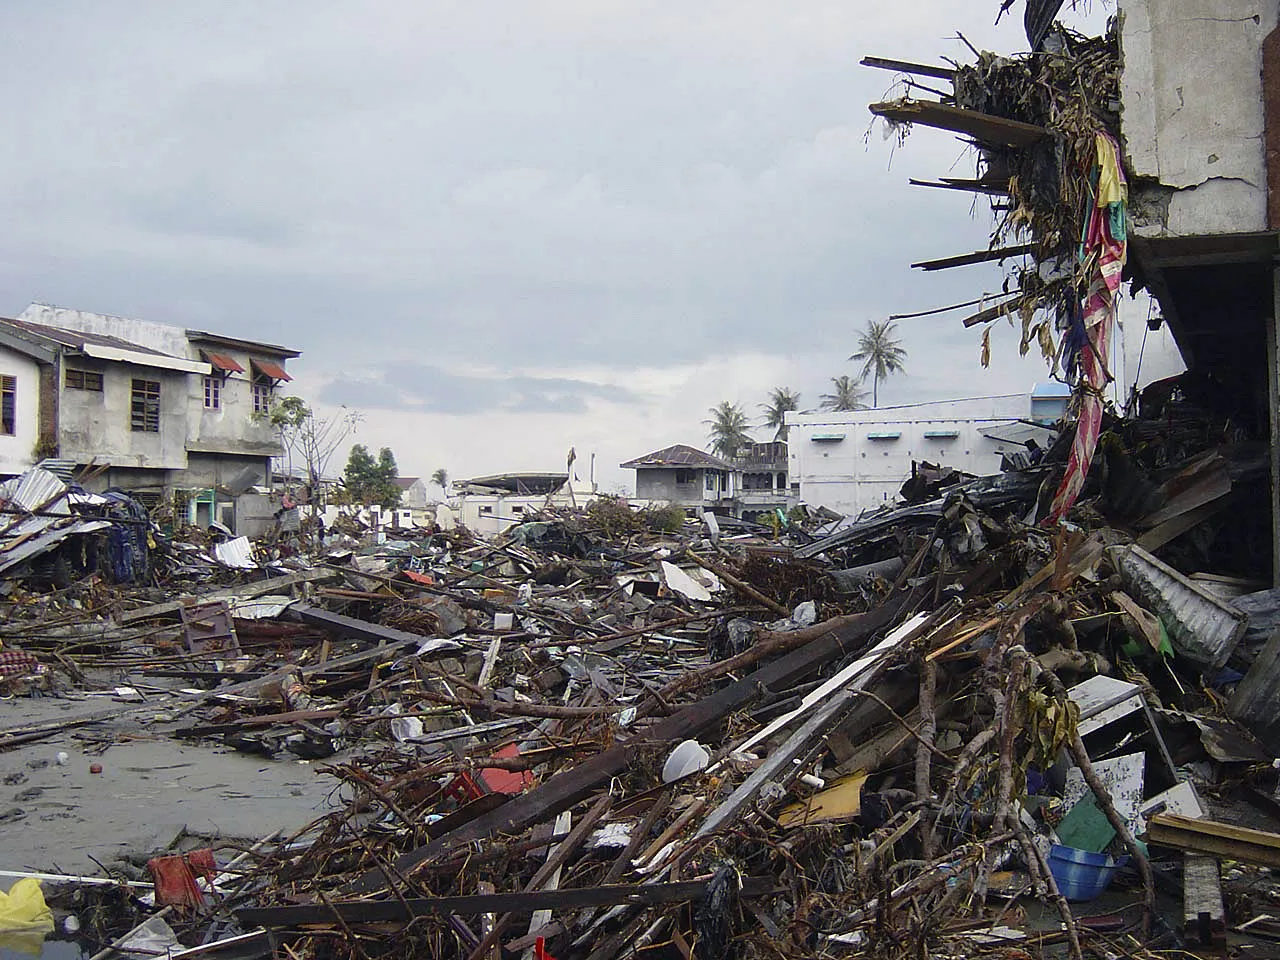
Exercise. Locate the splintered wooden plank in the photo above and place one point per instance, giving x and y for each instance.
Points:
(1204, 919)
(576, 784)
(1215, 839)
(982, 127)
(248, 591)
(906, 66)
(993, 313)
(978, 256)
(381, 911)
(995, 188)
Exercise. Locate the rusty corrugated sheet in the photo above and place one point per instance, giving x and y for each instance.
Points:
(1202, 628)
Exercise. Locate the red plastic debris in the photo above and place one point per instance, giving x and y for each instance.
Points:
(507, 781)
(175, 877)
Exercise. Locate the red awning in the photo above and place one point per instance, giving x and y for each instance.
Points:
(269, 369)
(222, 362)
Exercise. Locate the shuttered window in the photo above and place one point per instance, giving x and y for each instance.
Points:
(8, 405)
(144, 409)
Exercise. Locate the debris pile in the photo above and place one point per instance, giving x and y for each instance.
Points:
(941, 729)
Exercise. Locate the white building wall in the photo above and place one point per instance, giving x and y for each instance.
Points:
(163, 337)
(16, 450)
(850, 462)
(1192, 113)
(489, 515)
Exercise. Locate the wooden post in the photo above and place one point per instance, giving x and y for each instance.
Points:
(1273, 398)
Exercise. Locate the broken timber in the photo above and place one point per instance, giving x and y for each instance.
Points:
(995, 188)
(1215, 839)
(344, 626)
(905, 66)
(565, 790)
(980, 256)
(377, 911)
(983, 127)
(248, 591)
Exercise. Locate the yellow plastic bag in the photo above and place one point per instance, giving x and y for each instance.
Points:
(25, 919)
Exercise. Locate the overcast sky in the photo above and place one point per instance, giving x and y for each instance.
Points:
(499, 229)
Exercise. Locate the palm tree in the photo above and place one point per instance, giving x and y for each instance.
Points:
(880, 353)
(848, 395)
(441, 479)
(728, 431)
(782, 400)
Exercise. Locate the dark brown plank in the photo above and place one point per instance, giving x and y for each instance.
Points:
(906, 66)
(983, 127)
(381, 911)
(573, 786)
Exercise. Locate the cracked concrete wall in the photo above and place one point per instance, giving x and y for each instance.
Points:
(1192, 114)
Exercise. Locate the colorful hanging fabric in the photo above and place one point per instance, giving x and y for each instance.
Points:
(1105, 246)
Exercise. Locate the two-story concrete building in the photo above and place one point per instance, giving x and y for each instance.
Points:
(746, 487)
(153, 409)
(684, 476)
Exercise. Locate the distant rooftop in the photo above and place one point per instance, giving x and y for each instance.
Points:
(677, 455)
(203, 336)
(535, 484)
(77, 340)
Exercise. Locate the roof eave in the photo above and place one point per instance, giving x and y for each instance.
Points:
(204, 336)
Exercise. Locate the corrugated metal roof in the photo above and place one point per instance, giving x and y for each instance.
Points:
(237, 553)
(1201, 627)
(222, 362)
(34, 490)
(677, 455)
(269, 369)
(76, 339)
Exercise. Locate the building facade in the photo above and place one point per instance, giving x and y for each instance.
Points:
(164, 413)
(745, 487)
(493, 505)
(858, 460)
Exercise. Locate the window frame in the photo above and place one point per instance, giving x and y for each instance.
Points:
(263, 391)
(74, 378)
(212, 393)
(8, 405)
(144, 405)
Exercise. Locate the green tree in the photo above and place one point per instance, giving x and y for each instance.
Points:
(880, 353)
(307, 440)
(782, 400)
(441, 479)
(847, 394)
(371, 480)
(728, 429)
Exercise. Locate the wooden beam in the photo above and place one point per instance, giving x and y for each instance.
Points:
(1204, 918)
(383, 911)
(1215, 839)
(994, 312)
(564, 790)
(982, 127)
(906, 66)
(978, 256)
(344, 626)
(248, 591)
(994, 188)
